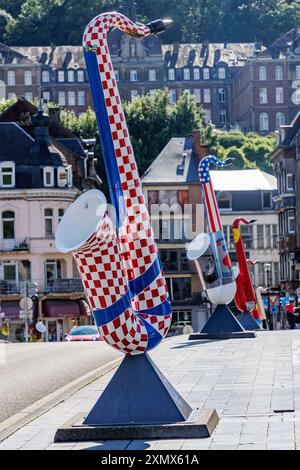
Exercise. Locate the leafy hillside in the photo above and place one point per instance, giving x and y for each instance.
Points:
(42, 22)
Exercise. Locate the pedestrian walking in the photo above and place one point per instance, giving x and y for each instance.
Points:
(290, 313)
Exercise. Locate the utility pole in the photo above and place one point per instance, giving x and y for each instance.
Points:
(26, 313)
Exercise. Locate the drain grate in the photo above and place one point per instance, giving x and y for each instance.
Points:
(283, 411)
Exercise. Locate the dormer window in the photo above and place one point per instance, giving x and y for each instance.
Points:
(186, 74)
(48, 176)
(267, 200)
(62, 177)
(7, 175)
(222, 73)
(132, 48)
(225, 201)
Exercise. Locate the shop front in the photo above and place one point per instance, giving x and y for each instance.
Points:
(60, 316)
(12, 326)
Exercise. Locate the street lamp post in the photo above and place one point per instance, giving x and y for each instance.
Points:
(268, 272)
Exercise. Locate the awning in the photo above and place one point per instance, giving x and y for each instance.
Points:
(62, 308)
(10, 308)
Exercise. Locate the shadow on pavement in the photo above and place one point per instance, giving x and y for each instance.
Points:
(113, 445)
(188, 344)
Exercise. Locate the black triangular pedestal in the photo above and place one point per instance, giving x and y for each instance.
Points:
(222, 325)
(248, 322)
(138, 393)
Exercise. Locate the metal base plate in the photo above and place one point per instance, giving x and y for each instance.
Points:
(240, 334)
(200, 425)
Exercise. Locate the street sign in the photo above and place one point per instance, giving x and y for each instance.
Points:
(26, 303)
(274, 310)
(22, 314)
(40, 327)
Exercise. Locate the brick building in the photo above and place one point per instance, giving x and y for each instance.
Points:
(240, 85)
(265, 92)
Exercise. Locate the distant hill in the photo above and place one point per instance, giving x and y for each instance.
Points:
(44, 22)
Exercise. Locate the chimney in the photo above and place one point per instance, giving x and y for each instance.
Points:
(54, 114)
(202, 150)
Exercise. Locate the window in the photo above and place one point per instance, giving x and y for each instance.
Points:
(133, 93)
(171, 74)
(290, 182)
(28, 96)
(279, 95)
(206, 74)
(71, 98)
(152, 92)
(62, 98)
(61, 76)
(48, 214)
(172, 96)
(174, 260)
(133, 75)
(187, 91)
(225, 201)
(81, 98)
(223, 116)
(274, 236)
(46, 76)
(267, 200)
(152, 75)
(62, 177)
(207, 116)
(196, 73)
(28, 77)
(71, 76)
(280, 119)
(80, 75)
(247, 235)
(186, 74)
(261, 274)
(132, 48)
(117, 75)
(11, 78)
(206, 95)
(291, 221)
(262, 72)
(53, 271)
(197, 95)
(268, 236)
(222, 95)
(297, 72)
(260, 237)
(278, 72)
(46, 96)
(11, 94)
(263, 95)
(263, 122)
(7, 175)
(60, 214)
(48, 174)
(222, 73)
(8, 225)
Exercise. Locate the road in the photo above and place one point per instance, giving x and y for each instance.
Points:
(29, 372)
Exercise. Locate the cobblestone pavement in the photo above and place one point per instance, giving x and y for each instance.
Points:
(253, 383)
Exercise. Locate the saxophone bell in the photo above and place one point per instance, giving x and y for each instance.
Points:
(158, 26)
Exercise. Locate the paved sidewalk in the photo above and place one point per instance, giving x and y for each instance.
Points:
(253, 383)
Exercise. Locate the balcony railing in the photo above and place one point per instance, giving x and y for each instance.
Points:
(10, 245)
(55, 286)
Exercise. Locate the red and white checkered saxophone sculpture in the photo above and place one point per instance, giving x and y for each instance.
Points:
(120, 269)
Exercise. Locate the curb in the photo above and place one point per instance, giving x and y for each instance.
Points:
(24, 417)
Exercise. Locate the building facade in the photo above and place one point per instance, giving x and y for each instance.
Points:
(240, 85)
(286, 158)
(173, 192)
(39, 178)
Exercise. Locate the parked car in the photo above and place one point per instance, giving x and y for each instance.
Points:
(83, 333)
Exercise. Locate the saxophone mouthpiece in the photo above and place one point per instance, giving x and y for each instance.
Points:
(158, 26)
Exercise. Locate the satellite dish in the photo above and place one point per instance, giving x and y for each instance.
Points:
(40, 327)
